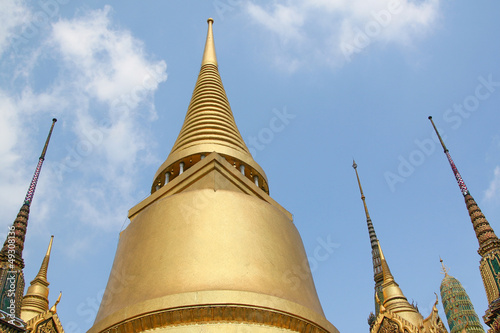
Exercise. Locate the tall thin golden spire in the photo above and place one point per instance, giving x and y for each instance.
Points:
(209, 126)
(394, 299)
(36, 300)
(388, 278)
(377, 268)
(209, 56)
(371, 229)
(489, 246)
(42, 273)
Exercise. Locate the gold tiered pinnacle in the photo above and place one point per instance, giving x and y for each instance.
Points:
(209, 126)
(394, 299)
(36, 300)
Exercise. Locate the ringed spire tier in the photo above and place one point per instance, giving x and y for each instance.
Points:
(36, 300)
(209, 126)
(377, 267)
(489, 246)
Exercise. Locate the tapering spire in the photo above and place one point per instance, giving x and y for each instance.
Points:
(36, 299)
(31, 190)
(489, 247)
(11, 256)
(461, 183)
(377, 268)
(21, 222)
(394, 299)
(209, 126)
(42, 273)
(209, 56)
(388, 278)
(371, 229)
(457, 306)
(486, 237)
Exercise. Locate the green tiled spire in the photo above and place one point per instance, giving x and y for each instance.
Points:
(458, 307)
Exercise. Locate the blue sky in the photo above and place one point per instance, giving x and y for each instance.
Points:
(357, 79)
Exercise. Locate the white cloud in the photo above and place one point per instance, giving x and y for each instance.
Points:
(493, 191)
(334, 31)
(110, 62)
(285, 21)
(101, 87)
(11, 163)
(14, 16)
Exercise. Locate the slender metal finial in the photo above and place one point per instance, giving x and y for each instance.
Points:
(34, 180)
(209, 56)
(460, 181)
(49, 249)
(54, 120)
(371, 229)
(439, 136)
(443, 267)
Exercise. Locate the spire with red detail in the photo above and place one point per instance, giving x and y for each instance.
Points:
(489, 247)
(11, 255)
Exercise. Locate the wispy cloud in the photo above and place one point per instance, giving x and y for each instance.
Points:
(332, 32)
(493, 191)
(100, 82)
(15, 15)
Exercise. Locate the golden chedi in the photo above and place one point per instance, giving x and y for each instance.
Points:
(209, 250)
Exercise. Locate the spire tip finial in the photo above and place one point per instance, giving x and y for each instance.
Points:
(209, 56)
(443, 267)
(430, 117)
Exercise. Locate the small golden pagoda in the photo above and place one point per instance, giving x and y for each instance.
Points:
(394, 314)
(35, 310)
(209, 250)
